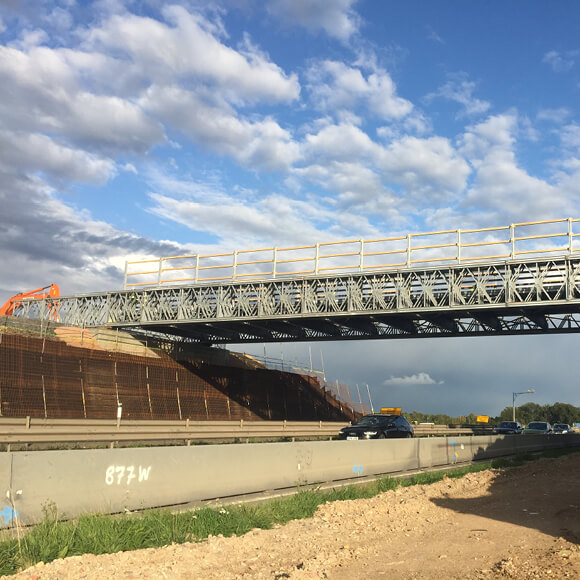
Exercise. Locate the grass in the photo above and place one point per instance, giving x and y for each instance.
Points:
(102, 534)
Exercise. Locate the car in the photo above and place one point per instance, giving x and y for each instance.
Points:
(562, 428)
(508, 428)
(377, 426)
(538, 428)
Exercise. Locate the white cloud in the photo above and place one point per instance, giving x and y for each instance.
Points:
(433, 35)
(560, 62)
(460, 90)
(335, 86)
(213, 215)
(503, 192)
(495, 133)
(30, 39)
(59, 18)
(239, 225)
(242, 219)
(192, 50)
(527, 129)
(429, 164)
(417, 123)
(357, 188)
(336, 18)
(568, 182)
(570, 136)
(33, 153)
(52, 242)
(74, 111)
(47, 95)
(417, 379)
(108, 7)
(340, 142)
(557, 116)
(343, 159)
(108, 121)
(260, 144)
(507, 189)
(129, 167)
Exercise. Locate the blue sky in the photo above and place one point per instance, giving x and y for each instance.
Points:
(132, 130)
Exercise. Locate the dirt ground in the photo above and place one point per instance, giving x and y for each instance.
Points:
(519, 523)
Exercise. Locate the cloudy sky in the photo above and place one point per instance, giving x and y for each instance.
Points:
(139, 129)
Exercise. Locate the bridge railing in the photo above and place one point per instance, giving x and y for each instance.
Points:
(419, 249)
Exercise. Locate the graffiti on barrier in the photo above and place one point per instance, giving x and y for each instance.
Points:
(455, 455)
(8, 514)
(358, 469)
(118, 474)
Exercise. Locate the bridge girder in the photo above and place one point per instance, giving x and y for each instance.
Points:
(524, 296)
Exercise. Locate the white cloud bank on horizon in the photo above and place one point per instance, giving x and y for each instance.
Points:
(416, 379)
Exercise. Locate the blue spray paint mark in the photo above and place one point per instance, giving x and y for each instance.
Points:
(8, 514)
(455, 454)
(358, 469)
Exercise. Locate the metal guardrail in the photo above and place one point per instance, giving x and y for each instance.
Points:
(36, 430)
(27, 431)
(439, 247)
(437, 430)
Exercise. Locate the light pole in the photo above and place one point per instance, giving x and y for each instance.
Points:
(514, 400)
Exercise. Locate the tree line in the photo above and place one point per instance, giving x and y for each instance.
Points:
(556, 413)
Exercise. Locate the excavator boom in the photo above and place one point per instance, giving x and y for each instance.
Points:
(51, 291)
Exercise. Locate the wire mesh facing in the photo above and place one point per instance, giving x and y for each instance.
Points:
(63, 372)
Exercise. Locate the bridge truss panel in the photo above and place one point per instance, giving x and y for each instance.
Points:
(507, 297)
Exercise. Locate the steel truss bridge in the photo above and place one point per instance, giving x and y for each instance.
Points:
(506, 297)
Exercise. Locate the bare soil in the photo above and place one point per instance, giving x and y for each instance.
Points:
(519, 523)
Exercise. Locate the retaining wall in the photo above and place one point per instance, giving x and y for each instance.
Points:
(62, 372)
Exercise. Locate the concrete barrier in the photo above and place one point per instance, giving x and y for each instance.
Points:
(114, 480)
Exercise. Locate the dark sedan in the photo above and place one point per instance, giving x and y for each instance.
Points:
(377, 427)
(538, 428)
(508, 428)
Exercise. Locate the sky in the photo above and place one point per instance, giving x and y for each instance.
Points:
(132, 130)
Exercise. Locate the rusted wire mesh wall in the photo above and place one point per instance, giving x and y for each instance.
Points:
(70, 373)
(275, 394)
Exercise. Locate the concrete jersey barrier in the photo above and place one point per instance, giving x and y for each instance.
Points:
(114, 480)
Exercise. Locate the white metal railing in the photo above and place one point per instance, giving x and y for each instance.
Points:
(427, 248)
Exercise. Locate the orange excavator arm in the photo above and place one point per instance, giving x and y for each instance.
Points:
(38, 294)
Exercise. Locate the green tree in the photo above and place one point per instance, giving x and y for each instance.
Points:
(563, 413)
(471, 419)
(525, 413)
(556, 413)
